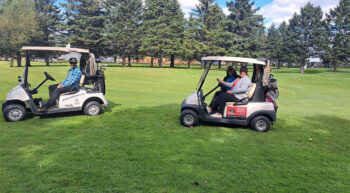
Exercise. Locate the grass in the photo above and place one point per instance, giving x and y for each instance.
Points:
(138, 144)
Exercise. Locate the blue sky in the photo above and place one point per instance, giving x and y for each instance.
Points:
(274, 11)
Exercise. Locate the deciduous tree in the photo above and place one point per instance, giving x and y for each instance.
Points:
(18, 25)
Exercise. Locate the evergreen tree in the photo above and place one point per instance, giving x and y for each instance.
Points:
(163, 26)
(49, 18)
(274, 45)
(18, 25)
(246, 28)
(306, 30)
(123, 27)
(192, 48)
(209, 21)
(85, 24)
(337, 47)
(287, 54)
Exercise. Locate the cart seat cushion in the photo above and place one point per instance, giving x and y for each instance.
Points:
(251, 91)
(230, 103)
(82, 79)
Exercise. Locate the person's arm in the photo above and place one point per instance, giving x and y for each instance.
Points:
(227, 84)
(242, 86)
(75, 77)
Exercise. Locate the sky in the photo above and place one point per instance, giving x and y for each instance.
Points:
(274, 11)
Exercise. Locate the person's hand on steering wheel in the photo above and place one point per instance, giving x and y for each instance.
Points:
(220, 80)
(59, 86)
(228, 92)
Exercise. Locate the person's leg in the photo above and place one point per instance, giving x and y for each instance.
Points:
(56, 94)
(225, 98)
(52, 88)
(213, 104)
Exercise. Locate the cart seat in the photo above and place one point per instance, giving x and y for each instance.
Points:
(250, 95)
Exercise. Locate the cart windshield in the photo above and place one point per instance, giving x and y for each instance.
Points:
(23, 77)
(204, 75)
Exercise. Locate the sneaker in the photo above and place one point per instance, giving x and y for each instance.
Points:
(216, 115)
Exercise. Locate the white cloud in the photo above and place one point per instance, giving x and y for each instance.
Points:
(187, 6)
(226, 11)
(282, 10)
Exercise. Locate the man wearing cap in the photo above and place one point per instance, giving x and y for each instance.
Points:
(71, 82)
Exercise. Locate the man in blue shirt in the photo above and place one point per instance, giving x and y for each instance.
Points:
(71, 82)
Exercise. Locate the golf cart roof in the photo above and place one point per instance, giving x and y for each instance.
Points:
(233, 59)
(58, 49)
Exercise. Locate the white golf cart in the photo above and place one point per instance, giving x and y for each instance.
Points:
(20, 99)
(257, 111)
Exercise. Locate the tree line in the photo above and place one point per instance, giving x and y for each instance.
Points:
(158, 29)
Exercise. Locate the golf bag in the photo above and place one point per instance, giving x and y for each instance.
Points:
(271, 91)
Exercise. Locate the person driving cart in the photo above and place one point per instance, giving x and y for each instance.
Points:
(238, 92)
(69, 83)
(231, 75)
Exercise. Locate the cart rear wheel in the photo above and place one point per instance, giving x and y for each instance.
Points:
(260, 123)
(92, 108)
(189, 118)
(14, 112)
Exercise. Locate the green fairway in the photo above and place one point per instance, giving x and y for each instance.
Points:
(139, 145)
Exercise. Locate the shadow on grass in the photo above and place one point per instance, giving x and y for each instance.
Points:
(75, 113)
(327, 122)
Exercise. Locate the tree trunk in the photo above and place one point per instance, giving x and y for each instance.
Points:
(123, 59)
(160, 61)
(189, 64)
(129, 58)
(115, 59)
(172, 61)
(12, 61)
(278, 64)
(152, 64)
(19, 59)
(334, 67)
(302, 67)
(6, 58)
(47, 59)
(202, 64)
(219, 64)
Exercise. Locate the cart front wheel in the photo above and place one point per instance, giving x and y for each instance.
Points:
(14, 112)
(189, 118)
(260, 123)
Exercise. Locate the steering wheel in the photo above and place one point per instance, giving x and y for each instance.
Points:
(48, 76)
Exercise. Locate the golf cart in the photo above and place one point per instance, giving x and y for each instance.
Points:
(20, 99)
(257, 111)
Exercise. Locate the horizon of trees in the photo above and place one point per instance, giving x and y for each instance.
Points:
(158, 29)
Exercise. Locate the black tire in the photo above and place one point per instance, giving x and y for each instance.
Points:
(189, 118)
(92, 108)
(14, 112)
(260, 123)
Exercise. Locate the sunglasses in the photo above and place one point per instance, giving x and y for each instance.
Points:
(73, 63)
